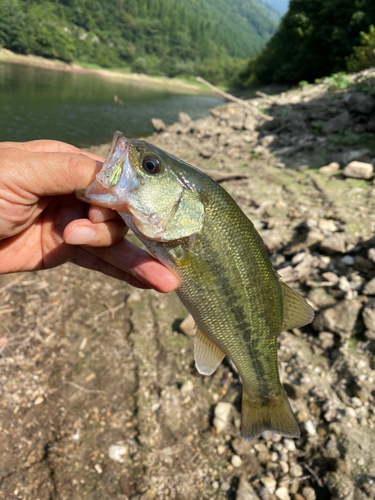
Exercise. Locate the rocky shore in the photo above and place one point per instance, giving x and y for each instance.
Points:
(100, 396)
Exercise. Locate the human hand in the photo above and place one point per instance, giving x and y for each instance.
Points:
(43, 224)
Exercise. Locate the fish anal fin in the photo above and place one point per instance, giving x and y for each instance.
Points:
(296, 311)
(206, 354)
(272, 414)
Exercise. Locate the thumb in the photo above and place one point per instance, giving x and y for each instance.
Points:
(47, 174)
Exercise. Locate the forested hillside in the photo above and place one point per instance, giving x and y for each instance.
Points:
(315, 38)
(172, 37)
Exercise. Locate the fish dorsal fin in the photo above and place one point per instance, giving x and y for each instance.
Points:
(206, 354)
(296, 311)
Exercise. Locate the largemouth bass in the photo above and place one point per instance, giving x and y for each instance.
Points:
(226, 280)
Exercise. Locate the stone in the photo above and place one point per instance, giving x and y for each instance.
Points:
(333, 244)
(273, 239)
(269, 483)
(331, 168)
(236, 120)
(289, 444)
(250, 123)
(358, 102)
(340, 318)
(339, 121)
(295, 470)
(308, 493)
(117, 452)
(358, 170)
(236, 461)
(240, 446)
(188, 326)
(327, 340)
(188, 386)
(362, 263)
(327, 225)
(183, 117)
(221, 419)
(158, 124)
(282, 493)
(301, 416)
(368, 315)
(369, 288)
(245, 491)
(310, 428)
(294, 391)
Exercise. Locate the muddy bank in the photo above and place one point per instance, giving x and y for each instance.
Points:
(100, 396)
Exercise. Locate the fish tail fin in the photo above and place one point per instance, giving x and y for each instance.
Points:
(272, 414)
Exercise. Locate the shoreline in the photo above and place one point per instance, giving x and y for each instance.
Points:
(7, 55)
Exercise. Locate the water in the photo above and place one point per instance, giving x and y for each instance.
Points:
(37, 103)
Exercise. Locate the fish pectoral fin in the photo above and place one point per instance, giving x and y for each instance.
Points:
(296, 311)
(206, 354)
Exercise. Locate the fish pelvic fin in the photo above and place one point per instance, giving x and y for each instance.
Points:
(271, 414)
(296, 311)
(206, 354)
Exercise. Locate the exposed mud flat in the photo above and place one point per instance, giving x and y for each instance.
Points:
(100, 396)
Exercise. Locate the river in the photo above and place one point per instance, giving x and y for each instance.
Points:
(38, 103)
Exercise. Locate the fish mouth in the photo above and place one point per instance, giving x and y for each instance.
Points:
(112, 182)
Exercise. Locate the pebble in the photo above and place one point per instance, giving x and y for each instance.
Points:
(310, 429)
(240, 446)
(284, 466)
(309, 493)
(282, 493)
(296, 470)
(301, 416)
(269, 483)
(215, 485)
(117, 452)
(289, 444)
(225, 486)
(236, 461)
(221, 419)
(188, 326)
(98, 468)
(369, 288)
(221, 449)
(245, 491)
(187, 387)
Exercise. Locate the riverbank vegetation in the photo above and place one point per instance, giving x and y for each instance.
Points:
(316, 38)
(211, 38)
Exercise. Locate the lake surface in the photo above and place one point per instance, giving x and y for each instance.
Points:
(37, 103)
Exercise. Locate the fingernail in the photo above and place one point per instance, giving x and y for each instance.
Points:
(80, 236)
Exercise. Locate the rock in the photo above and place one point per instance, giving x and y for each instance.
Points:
(362, 263)
(188, 386)
(339, 121)
(269, 483)
(333, 244)
(250, 123)
(158, 124)
(310, 428)
(273, 240)
(358, 102)
(236, 120)
(183, 117)
(245, 491)
(368, 315)
(188, 326)
(296, 470)
(340, 318)
(240, 446)
(282, 493)
(221, 419)
(206, 152)
(301, 417)
(327, 225)
(358, 170)
(236, 461)
(327, 340)
(294, 391)
(117, 452)
(331, 168)
(308, 493)
(369, 288)
(289, 444)
(269, 140)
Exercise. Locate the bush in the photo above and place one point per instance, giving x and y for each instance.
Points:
(363, 55)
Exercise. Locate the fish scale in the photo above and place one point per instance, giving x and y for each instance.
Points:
(227, 283)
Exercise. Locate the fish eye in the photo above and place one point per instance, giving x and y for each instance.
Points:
(151, 165)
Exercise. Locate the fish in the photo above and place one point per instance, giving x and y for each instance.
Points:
(226, 280)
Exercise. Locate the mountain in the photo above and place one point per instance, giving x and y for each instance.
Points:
(170, 37)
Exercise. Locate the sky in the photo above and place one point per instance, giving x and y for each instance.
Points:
(280, 5)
